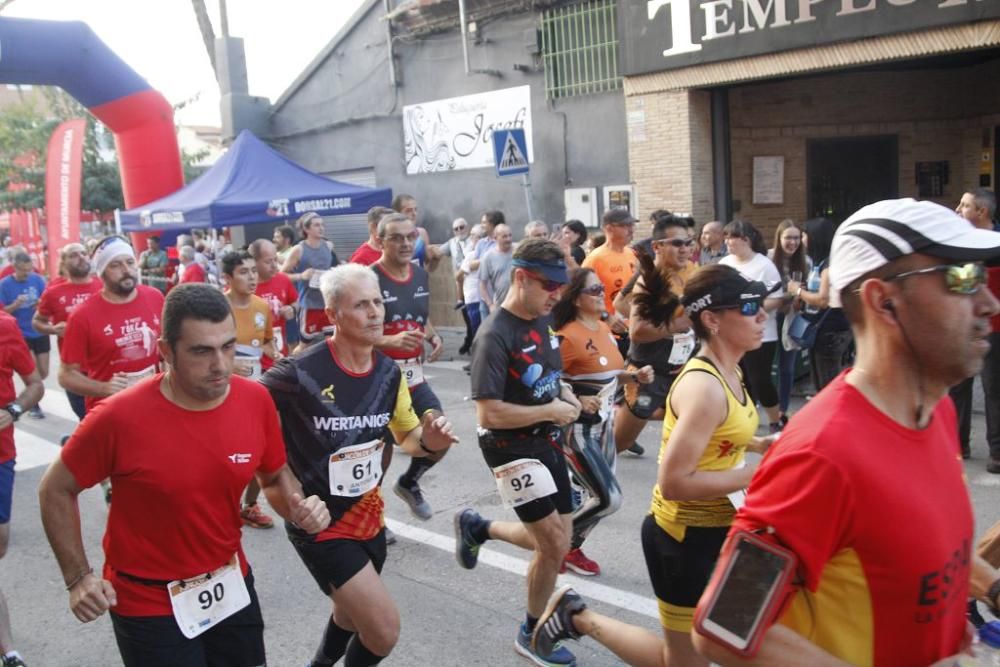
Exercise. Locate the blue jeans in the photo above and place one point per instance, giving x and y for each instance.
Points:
(787, 359)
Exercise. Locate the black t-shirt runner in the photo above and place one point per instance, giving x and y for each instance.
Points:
(325, 408)
(407, 308)
(516, 361)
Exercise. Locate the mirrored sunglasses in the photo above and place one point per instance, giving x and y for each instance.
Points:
(958, 278)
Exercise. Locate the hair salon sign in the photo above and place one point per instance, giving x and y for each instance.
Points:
(658, 35)
(456, 133)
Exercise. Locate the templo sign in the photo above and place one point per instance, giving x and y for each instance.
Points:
(456, 133)
(658, 35)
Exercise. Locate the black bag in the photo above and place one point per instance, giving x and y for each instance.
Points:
(803, 328)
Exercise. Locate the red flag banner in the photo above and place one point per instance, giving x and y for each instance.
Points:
(63, 172)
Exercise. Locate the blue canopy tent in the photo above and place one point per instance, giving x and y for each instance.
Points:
(251, 183)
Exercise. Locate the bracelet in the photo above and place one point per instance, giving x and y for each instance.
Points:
(992, 593)
(79, 578)
(424, 447)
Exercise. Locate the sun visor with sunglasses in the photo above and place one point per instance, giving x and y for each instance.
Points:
(555, 272)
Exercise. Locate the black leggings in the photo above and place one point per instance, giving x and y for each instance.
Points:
(756, 366)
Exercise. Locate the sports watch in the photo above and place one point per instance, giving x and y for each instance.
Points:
(15, 411)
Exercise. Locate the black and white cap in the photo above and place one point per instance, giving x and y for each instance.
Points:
(887, 230)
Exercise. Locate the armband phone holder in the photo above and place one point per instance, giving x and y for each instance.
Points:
(747, 591)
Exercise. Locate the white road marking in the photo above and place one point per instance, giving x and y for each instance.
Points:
(33, 451)
(589, 589)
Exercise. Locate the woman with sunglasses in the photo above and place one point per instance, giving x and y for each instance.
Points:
(709, 424)
(592, 365)
(789, 256)
(746, 254)
(833, 336)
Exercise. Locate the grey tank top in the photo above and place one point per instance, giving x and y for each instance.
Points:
(321, 259)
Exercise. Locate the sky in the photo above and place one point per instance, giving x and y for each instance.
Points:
(160, 40)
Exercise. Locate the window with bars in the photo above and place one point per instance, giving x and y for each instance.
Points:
(580, 49)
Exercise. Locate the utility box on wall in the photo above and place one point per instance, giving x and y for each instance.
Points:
(581, 204)
(620, 196)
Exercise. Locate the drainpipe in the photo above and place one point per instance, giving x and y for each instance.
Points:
(465, 39)
(388, 44)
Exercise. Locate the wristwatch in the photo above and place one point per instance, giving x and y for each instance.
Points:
(15, 411)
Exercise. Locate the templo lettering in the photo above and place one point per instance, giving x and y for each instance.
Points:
(700, 30)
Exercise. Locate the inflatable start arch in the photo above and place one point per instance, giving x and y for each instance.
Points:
(68, 54)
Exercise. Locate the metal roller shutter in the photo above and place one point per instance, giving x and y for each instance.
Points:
(349, 231)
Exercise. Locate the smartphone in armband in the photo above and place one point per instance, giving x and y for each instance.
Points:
(746, 592)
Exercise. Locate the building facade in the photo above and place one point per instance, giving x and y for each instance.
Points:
(797, 109)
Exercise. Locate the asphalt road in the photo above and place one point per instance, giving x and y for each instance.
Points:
(450, 616)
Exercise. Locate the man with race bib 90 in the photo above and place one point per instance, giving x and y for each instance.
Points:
(112, 334)
(179, 448)
(523, 410)
(406, 298)
(340, 402)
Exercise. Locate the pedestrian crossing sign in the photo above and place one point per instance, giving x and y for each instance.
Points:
(510, 152)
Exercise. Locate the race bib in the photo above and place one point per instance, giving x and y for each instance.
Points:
(522, 481)
(135, 377)
(607, 398)
(317, 275)
(248, 357)
(413, 370)
(682, 348)
(202, 602)
(356, 470)
(279, 339)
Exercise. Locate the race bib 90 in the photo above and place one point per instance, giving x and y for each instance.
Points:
(204, 601)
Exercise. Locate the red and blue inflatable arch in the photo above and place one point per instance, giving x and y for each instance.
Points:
(68, 54)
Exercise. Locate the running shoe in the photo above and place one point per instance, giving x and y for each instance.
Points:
(253, 516)
(993, 466)
(390, 537)
(556, 656)
(578, 562)
(414, 497)
(36, 412)
(466, 546)
(14, 661)
(636, 449)
(556, 622)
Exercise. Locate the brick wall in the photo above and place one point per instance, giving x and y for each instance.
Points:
(935, 114)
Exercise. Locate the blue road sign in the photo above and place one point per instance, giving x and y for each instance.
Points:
(510, 152)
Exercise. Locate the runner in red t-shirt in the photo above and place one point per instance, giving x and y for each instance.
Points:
(60, 299)
(370, 251)
(15, 357)
(113, 334)
(277, 289)
(865, 485)
(197, 436)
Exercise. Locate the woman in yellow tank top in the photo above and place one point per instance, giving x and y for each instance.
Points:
(709, 424)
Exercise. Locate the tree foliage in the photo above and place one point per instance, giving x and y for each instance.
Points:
(25, 129)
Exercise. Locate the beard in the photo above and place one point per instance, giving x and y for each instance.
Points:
(78, 272)
(125, 286)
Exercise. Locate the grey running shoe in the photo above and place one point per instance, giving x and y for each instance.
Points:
(556, 622)
(413, 497)
(559, 656)
(466, 546)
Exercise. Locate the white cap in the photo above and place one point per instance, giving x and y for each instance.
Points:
(887, 230)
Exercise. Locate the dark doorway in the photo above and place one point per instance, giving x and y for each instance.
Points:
(844, 174)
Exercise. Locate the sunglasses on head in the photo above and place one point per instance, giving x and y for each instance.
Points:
(958, 278)
(547, 285)
(593, 290)
(747, 307)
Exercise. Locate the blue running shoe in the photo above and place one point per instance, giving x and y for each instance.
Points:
(466, 546)
(559, 657)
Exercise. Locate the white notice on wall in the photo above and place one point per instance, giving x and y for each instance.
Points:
(769, 179)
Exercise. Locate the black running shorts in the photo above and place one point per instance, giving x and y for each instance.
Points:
(561, 501)
(335, 562)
